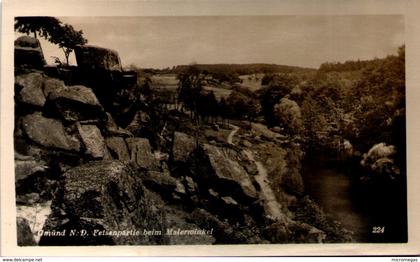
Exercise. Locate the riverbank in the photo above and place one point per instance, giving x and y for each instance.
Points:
(372, 211)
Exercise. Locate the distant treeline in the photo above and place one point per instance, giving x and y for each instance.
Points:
(348, 65)
(239, 69)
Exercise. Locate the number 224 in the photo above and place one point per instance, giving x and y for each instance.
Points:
(378, 230)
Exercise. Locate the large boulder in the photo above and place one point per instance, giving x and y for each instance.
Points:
(24, 233)
(31, 181)
(103, 198)
(101, 69)
(220, 168)
(183, 146)
(113, 129)
(28, 53)
(90, 58)
(48, 132)
(380, 159)
(141, 152)
(52, 85)
(163, 183)
(94, 141)
(25, 168)
(118, 148)
(31, 89)
(76, 103)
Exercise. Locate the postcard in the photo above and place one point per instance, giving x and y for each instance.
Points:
(209, 128)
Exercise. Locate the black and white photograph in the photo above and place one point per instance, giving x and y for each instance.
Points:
(214, 128)
(209, 130)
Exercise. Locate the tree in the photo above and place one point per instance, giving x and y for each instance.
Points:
(242, 104)
(43, 26)
(289, 115)
(190, 85)
(51, 28)
(279, 85)
(67, 38)
(380, 95)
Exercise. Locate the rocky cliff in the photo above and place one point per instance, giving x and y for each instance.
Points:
(81, 179)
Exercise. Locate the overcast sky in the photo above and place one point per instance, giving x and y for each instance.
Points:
(289, 40)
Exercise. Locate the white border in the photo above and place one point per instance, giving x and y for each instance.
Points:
(409, 8)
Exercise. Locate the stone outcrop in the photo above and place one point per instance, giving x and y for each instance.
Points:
(76, 103)
(163, 183)
(52, 85)
(93, 141)
(48, 132)
(96, 180)
(113, 129)
(103, 196)
(28, 53)
(91, 58)
(31, 89)
(183, 146)
(217, 167)
(380, 160)
(141, 152)
(25, 168)
(118, 148)
(31, 181)
(24, 233)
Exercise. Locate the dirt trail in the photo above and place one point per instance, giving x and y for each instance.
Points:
(234, 130)
(271, 206)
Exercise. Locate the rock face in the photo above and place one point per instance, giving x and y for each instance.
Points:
(48, 132)
(118, 148)
(94, 142)
(76, 103)
(31, 182)
(113, 129)
(52, 85)
(31, 89)
(94, 58)
(161, 182)
(183, 146)
(141, 152)
(28, 53)
(105, 196)
(25, 168)
(139, 120)
(24, 233)
(66, 181)
(226, 175)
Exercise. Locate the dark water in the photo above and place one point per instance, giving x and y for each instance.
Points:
(359, 208)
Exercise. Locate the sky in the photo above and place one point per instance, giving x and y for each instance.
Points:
(307, 41)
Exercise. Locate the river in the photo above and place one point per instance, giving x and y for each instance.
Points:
(359, 209)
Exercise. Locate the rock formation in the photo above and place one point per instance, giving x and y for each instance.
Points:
(104, 185)
(28, 53)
